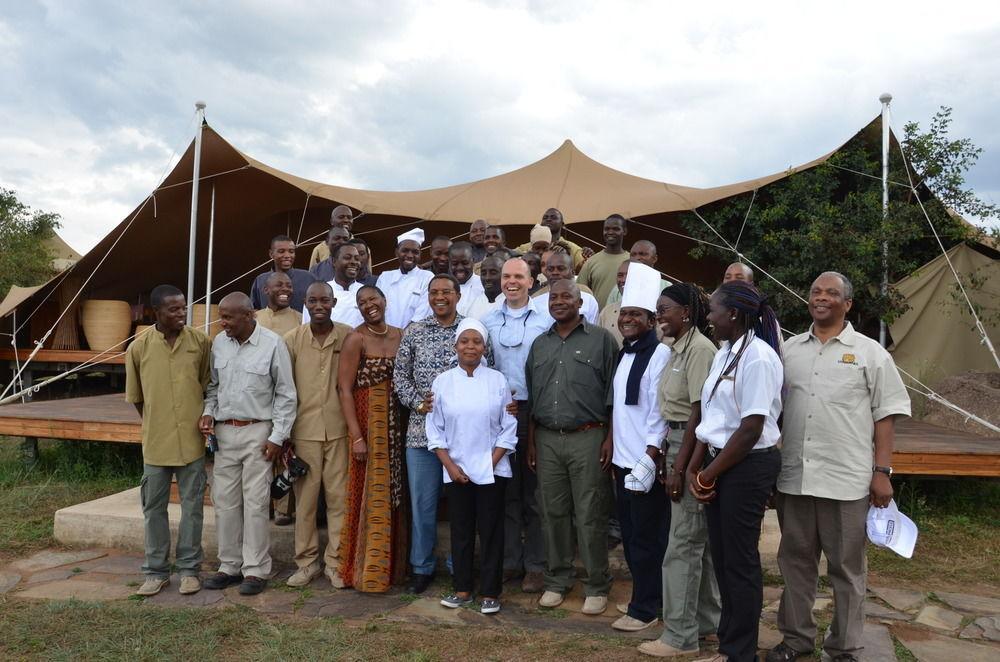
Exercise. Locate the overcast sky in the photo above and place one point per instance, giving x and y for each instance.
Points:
(410, 95)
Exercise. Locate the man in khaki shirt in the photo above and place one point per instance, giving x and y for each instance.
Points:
(319, 435)
(166, 372)
(844, 394)
(342, 217)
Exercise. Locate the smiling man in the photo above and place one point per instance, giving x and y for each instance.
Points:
(599, 272)
(558, 266)
(461, 265)
(489, 274)
(405, 288)
(340, 217)
(346, 267)
(643, 252)
(282, 254)
(844, 396)
(279, 316)
(335, 237)
(477, 237)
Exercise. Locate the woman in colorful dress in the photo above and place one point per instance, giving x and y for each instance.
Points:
(373, 540)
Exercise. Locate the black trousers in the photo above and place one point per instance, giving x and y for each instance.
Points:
(477, 508)
(645, 523)
(734, 519)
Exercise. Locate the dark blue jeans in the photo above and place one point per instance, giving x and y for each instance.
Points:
(645, 522)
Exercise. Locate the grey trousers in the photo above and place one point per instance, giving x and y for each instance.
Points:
(810, 525)
(154, 492)
(241, 491)
(572, 486)
(523, 548)
(691, 604)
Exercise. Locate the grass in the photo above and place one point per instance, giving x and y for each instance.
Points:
(134, 631)
(959, 539)
(65, 474)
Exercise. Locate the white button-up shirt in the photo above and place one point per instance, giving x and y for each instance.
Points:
(634, 427)
(590, 310)
(470, 289)
(470, 419)
(405, 295)
(346, 309)
(753, 388)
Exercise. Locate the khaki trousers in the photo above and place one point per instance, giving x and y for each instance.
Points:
(327, 462)
(241, 491)
(810, 525)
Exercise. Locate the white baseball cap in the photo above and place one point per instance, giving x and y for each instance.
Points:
(887, 527)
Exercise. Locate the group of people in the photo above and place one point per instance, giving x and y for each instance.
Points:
(542, 411)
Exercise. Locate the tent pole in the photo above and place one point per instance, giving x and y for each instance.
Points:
(208, 269)
(885, 98)
(195, 175)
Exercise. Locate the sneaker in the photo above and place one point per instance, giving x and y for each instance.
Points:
(336, 581)
(190, 584)
(252, 585)
(622, 607)
(550, 599)
(303, 576)
(454, 601)
(152, 586)
(220, 580)
(489, 606)
(628, 624)
(533, 582)
(594, 605)
(784, 653)
(657, 648)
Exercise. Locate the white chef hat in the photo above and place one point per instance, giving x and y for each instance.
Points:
(472, 323)
(642, 287)
(416, 234)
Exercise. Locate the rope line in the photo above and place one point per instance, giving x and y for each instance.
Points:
(675, 279)
(745, 218)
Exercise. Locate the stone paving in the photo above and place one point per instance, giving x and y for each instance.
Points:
(946, 627)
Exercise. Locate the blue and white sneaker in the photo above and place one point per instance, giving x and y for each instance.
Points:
(453, 601)
(489, 606)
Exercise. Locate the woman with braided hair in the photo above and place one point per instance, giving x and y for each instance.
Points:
(734, 467)
(690, 592)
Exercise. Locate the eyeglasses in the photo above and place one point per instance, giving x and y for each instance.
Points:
(511, 338)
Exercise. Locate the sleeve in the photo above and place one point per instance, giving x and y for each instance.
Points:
(402, 373)
(285, 397)
(205, 369)
(756, 386)
(133, 383)
(212, 391)
(314, 256)
(577, 254)
(699, 364)
(256, 294)
(527, 374)
(584, 277)
(888, 394)
(434, 422)
(656, 427)
(508, 423)
(289, 340)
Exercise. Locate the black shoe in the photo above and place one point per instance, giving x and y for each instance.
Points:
(252, 585)
(845, 657)
(784, 653)
(221, 580)
(419, 583)
(283, 520)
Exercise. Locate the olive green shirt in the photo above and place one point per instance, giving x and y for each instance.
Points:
(684, 376)
(569, 381)
(319, 416)
(170, 383)
(280, 321)
(600, 274)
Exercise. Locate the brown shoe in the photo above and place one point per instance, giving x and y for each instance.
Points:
(252, 585)
(510, 574)
(220, 580)
(533, 582)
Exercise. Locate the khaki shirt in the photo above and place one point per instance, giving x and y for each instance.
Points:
(280, 321)
(685, 375)
(570, 381)
(319, 253)
(170, 383)
(319, 416)
(836, 393)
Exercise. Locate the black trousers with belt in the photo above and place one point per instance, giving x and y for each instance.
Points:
(734, 519)
(645, 522)
(473, 508)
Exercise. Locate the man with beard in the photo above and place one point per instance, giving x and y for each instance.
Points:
(341, 217)
(598, 273)
(405, 288)
(282, 254)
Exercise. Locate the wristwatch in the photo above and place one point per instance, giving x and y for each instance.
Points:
(420, 407)
(886, 470)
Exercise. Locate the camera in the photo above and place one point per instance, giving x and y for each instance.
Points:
(294, 469)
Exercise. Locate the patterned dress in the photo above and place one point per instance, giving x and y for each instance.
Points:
(373, 541)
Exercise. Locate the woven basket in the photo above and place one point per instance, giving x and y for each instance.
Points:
(198, 319)
(141, 329)
(106, 324)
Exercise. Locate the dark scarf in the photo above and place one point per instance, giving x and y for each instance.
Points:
(643, 349)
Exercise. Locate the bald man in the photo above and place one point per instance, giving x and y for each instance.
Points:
(644, 252)
(341, 217)
(250, 407)
(557, 266)
(738, 271)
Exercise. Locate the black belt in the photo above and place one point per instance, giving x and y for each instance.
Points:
(713, 451)
(583, 428)
(677, 425)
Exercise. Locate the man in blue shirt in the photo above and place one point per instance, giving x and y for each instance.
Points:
(513, 326)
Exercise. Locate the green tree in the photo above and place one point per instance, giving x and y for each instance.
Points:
(830, 217)
(24, 257)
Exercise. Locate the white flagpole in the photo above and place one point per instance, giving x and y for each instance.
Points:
(208, 277)
(195, 176)
(885, 98)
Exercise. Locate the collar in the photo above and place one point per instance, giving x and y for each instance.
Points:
(734, 346)
(685, 342)
(582, 325)
(431, 322)
(254, 338)
(517, 313)
(847, 335)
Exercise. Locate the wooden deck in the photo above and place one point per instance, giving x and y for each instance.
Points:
(921, 449)
(65, 356)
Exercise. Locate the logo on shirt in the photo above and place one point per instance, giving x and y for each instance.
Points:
(849, 359)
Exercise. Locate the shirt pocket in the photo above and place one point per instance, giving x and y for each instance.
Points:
(258, 376)
(847, 385)
(584, 372)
